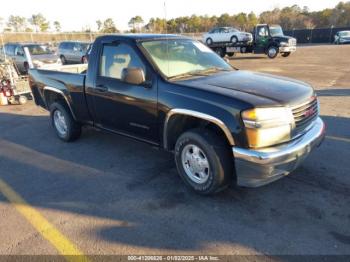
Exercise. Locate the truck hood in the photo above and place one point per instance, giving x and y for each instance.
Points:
(282, 38)
(255, 88)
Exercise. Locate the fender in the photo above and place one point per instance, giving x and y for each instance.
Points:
(58, 91)
(197, 114)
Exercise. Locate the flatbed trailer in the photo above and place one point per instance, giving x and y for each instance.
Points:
(264, 42)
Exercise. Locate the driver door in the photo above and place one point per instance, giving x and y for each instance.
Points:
(122, 107)
(262, 37)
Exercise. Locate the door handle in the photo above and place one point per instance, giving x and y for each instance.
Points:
(101, 88)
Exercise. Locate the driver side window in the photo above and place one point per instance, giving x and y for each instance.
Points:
(117, 57)
(262, 31)
(19, 51)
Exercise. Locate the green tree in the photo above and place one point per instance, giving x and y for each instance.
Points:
(39, 23)
(109, 26)
(57, 26)
(17, 23)
(136, 23)
(99, 25)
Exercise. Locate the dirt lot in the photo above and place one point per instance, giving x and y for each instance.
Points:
(111, 195)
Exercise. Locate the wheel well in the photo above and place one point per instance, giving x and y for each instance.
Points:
(52, 97)
(178, 124)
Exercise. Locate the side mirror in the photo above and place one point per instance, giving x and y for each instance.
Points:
(19, 53)
(133, 75)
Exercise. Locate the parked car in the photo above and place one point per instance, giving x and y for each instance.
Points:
(224, 125)
(226, 34)
(87, 54)
(73, 52)
(41, 54)
(342, 37)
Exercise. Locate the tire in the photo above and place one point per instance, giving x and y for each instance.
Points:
(63, 60)
(84, 60)
(231, 54)
(272, 51)
(220, 51)
(218, 171)
(286, 54)
(209, 41)
(22, 100)
(26, 68)
(72, 129)
(234, 39)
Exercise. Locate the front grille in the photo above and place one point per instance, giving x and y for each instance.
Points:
(292, 42)
(304, 114)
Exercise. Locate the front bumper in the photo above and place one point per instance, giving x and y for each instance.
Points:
(259, 167)
(287, 49)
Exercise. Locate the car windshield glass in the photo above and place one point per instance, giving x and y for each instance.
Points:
(183, 57)
(346, 33)
(39, 49)
(84, 47)
(233, 30)
(276, 31)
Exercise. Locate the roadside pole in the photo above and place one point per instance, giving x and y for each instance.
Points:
(330, 35)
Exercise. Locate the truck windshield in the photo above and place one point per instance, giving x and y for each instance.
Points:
(276, 31)
(184, 57)
(38, 49)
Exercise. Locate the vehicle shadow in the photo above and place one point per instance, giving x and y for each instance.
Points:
(243, 57)
(138, 189)
(334, 92)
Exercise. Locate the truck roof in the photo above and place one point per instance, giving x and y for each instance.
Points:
(139, 37)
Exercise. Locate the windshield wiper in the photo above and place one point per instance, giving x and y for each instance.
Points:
(204, 72)
(212, 70)
(188, 74)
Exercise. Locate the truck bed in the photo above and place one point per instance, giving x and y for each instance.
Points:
(68, 80)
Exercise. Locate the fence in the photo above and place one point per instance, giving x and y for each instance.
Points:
(58, 37)
(316, 36)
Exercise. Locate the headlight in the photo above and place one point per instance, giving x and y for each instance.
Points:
(268, 126)
(284, 44)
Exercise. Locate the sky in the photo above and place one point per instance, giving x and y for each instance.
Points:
(76, 14)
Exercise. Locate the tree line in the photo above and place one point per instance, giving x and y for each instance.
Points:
(292, 17)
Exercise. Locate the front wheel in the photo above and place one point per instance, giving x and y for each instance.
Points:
(272, 52)
(67, 129)
(234, 39)
(286, 54)
(22, 100)
(203, 161)
(231, 54)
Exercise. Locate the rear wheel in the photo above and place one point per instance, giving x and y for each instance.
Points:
(203, 161)
(84, 60)
(209, 41)
(67, 129)
(220, 51)
(63, 60)
(272, 52)
(286, 54)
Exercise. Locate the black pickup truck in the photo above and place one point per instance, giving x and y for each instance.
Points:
(224, 125)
